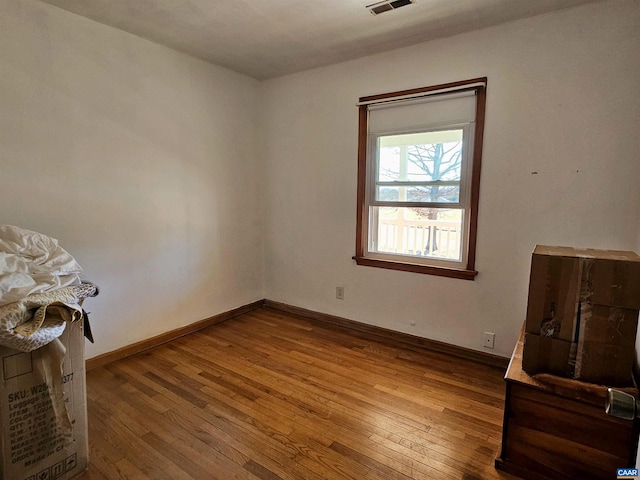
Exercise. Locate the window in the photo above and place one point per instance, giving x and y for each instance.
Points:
(419, 155)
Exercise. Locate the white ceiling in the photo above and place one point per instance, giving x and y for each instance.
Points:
(270, 38)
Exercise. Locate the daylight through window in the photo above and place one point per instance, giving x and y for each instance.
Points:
(418, 173)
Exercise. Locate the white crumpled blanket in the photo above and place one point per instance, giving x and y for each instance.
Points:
(31, 262)
(40, 289)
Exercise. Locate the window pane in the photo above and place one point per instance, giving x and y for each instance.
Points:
(389, 164)
(434, 161)
(418, 178)
(420, 157)
(418, 232)
(434, 194)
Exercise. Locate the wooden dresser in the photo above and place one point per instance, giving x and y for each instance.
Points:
(556, 428)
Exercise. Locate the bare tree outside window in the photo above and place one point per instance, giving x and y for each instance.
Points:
(439, 162)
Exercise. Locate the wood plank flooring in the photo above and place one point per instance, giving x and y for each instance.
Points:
(272, 396)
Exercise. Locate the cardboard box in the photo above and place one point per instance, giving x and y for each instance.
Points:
(33, 447)
(587, 299)
(605, 351)
(545, 354)
(616, 281)
(553, 292)
(563, 277)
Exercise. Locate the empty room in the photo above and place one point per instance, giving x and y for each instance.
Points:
(286, 240)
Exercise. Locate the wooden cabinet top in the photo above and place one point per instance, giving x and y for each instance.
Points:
(564, 387)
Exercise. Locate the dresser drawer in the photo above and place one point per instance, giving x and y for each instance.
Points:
(562, 438)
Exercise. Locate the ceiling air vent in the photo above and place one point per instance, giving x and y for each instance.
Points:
(381, 7)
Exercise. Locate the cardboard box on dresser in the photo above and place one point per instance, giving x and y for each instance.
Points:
(582, 314)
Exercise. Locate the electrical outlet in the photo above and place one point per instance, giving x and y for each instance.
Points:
(340, 292)
(488, 339)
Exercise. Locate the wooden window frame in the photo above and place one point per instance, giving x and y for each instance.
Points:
(468, 272)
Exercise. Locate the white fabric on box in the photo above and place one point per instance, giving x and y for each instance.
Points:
(31, 262)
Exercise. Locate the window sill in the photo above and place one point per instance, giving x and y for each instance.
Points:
(417, 268)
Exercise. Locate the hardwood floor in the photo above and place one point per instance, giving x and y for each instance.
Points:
(273, 396)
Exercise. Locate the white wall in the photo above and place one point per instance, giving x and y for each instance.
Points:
(144, 163)
(140, 160)
(561, 102)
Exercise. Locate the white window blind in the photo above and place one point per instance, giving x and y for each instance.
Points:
(422, 112)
